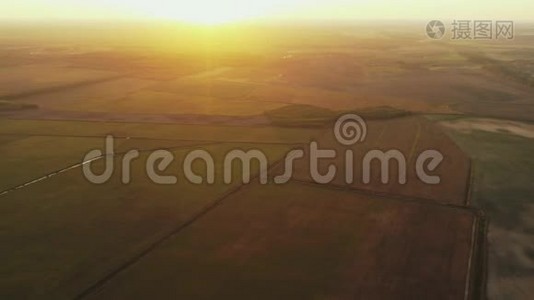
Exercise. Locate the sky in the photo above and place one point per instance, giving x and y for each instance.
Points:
(223, 11)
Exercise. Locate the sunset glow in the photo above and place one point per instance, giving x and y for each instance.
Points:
(225, 11)
(207, 12)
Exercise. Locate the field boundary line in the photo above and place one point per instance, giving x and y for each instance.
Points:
(469, 274)
(415, 142)
(183, 225)
(476, 280)
(77, 165)
(470, 183)
(60, 88)
(153, 139)
(389, 196)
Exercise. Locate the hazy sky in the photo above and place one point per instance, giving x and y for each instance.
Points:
(217, 11)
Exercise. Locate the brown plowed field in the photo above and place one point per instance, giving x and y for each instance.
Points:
(299, 241)
(411, 136)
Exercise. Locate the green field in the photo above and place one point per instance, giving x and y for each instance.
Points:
(503, 189)
(65, 233)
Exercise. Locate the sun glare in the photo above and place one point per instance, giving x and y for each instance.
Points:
(208, 12)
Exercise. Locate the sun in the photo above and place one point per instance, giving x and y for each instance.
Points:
(212, 17)
(205, 12)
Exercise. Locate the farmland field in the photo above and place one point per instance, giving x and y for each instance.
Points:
(273, 89)
(501, 152)
(316, 242)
